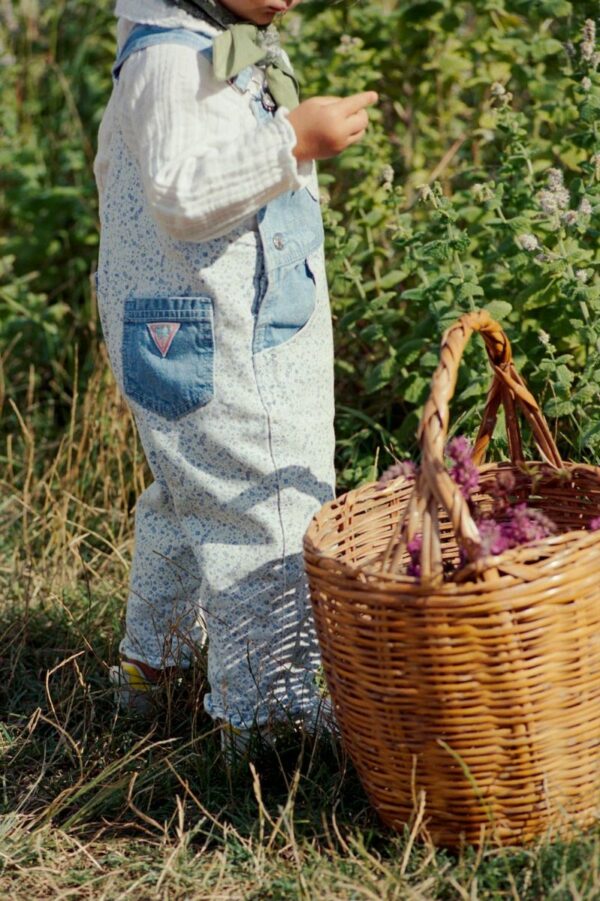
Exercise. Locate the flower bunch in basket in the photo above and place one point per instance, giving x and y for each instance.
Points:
(511, 523)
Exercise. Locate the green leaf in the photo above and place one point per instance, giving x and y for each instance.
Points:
(414, 293)
(590, 108)
(417, 389)
(557, 407)
(468, 290)
(381, 375)
(499, 309)
(409, 351)
(391, 279)
(545, 47)
(556, 8)
(591, 436)
(564, 376)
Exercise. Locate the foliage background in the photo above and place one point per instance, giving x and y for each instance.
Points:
(401, 267)
(432, 214)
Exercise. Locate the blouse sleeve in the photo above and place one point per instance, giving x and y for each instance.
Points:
(199, 187)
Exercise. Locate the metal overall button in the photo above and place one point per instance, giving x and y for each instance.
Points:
(267, 101)
(278, 241)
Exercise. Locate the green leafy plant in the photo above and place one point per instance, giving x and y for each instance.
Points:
(444, 206)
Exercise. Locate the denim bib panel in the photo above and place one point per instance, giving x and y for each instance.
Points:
(291, 229)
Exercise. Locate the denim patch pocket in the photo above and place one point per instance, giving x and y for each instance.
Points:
(286, 307)
(168, 353)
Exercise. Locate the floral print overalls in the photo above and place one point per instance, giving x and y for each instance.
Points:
(224, 352)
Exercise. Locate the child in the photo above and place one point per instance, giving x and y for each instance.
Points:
(214, 306)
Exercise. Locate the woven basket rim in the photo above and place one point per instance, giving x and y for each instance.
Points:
(576, 541)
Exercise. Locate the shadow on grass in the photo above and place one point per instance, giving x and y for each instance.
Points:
(72, 767)
(69, 758)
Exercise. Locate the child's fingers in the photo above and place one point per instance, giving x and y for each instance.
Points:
(357, 122)
(357, 102)
(355, 138)
(323, 101)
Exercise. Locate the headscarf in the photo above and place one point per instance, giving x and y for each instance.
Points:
(241, 44)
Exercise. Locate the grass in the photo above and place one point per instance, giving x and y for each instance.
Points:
(96, 805)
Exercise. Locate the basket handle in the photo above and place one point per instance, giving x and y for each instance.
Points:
(435, 485)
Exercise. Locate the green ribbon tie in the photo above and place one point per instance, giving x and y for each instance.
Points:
(241, 46)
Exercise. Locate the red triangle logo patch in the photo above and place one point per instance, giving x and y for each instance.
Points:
(163, 334)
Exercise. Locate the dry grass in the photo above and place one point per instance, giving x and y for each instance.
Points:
(98, 806)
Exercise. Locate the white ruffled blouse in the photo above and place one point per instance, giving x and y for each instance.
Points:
(206, 164)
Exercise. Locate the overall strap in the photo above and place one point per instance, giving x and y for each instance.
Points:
(142, 36)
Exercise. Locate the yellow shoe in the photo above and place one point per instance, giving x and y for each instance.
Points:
(241, 744)
(235, 743)
(133, 690)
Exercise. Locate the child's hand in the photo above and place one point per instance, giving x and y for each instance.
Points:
(325, 126)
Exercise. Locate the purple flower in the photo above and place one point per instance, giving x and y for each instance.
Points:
(594, 524)
(406, 468)
(459, 449)
(522, 525)
(493, 539)
(527, 524)
(414, 550)
(464, 472)
(505, 482)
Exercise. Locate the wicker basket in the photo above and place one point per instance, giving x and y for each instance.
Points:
(473, 704)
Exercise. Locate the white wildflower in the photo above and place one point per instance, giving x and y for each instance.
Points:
(583, 275)
(348, 43)
(528, 242)
(497, 89)
(569, 218)
(588, 44)
(562, 198)
(425, 193)
(587, 51)
(387, 175)
(586, 84)
(548, 203)
(554, 178)
(589, 31)
(556, 197)
(585, 207)
(483, 191)
(544, 337)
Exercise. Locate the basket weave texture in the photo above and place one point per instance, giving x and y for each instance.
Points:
(472, 705)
